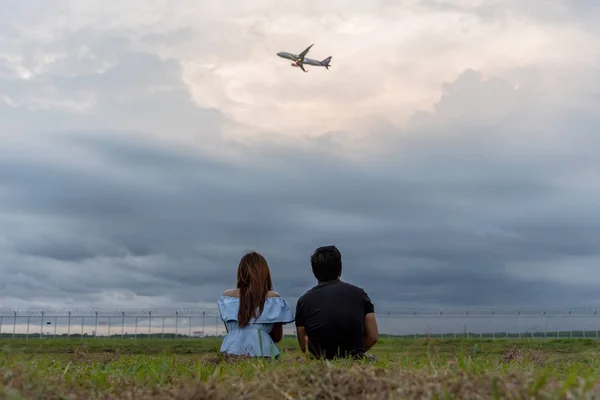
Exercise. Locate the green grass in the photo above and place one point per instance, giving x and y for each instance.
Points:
(93, 368)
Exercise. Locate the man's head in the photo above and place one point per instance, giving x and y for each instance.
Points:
(326, 263)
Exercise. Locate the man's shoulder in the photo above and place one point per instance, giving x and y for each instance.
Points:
(310, 293)
(349, 287)
(340, 287)
(306, 294)
(352, 286)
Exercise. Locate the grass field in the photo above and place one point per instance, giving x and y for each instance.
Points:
(192, 369)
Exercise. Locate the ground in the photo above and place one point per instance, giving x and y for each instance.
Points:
(192, 369)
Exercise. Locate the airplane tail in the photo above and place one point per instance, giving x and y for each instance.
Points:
(325, 62)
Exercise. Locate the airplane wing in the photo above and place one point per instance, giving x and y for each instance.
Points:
(305, 52)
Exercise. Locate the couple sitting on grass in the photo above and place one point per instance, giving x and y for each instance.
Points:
(334, 319)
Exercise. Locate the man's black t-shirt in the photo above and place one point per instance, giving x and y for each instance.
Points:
(333, 317)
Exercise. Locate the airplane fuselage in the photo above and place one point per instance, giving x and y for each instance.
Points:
(296, 59)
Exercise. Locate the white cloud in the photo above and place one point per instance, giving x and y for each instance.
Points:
(389, 60)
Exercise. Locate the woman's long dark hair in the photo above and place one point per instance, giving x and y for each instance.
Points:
(254, 283)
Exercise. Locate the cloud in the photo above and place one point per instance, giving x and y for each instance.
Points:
(389, 59)
(139, 160)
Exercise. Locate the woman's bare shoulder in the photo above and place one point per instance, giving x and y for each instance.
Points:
(232, 293)
(236, 293)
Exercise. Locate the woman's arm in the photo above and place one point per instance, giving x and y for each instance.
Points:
(277, 332)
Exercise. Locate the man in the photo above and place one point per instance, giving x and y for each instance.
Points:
(336, 318)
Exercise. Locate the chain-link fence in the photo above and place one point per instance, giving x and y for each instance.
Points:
(138, 324)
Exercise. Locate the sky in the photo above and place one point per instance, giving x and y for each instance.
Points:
(450, 152)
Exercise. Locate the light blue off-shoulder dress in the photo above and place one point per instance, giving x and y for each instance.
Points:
(253, 339)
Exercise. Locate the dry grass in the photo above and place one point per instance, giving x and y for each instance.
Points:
(405, 370)
(314, 381)
(517, 354)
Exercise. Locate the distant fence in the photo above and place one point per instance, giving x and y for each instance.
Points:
(190, 323)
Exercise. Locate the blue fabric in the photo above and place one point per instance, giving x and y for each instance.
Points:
(247, 340)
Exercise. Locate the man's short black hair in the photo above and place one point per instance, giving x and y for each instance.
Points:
(326, 263)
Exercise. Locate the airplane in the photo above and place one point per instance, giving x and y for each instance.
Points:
(300, 60)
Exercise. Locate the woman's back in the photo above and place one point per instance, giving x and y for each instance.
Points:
(254, 339)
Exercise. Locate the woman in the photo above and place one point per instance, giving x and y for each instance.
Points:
(253, 313)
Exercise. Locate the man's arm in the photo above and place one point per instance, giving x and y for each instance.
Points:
(299, 321)
(371, 329)
(301, 334)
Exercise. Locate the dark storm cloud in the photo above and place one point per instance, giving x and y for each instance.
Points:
(437, 231)
(435, 217)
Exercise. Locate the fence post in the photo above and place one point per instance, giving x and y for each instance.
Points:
(69, 326)
(190, 328)
(122, 324)
(42, 325)
(28, 323)
(545, 325)
(493, 326)
(96, 326)
(82, 324)
(109, 324)
(203, 326)
(467, 326)
(136, 326)
(15, 325)
(176, 324)
(163, 328)
(414, 315)
(2, 320)
(442, 334)
(55, 323)
(149, 323)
